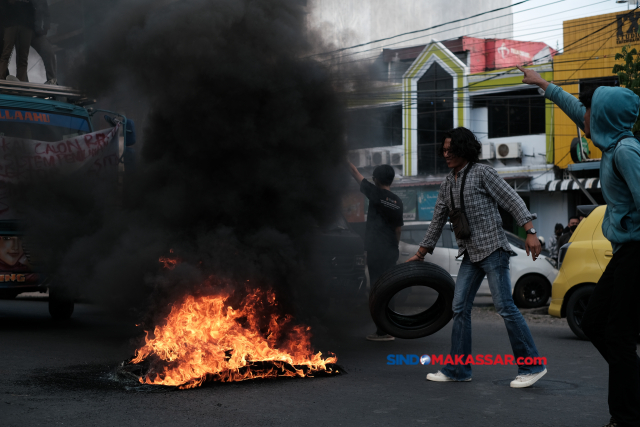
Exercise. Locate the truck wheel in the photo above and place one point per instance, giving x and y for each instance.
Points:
(403, 276)
(532, 292)
(60, 306)
(576, 307)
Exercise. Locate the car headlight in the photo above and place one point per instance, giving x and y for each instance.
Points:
(562, 252)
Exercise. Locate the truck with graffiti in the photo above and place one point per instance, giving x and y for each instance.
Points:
(46, 129)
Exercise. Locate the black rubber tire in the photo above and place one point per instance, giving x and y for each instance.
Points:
(61, 306)
(532, 291)
(576, 306)
(403, 276)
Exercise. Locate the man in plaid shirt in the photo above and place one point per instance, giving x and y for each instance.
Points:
(486, 252)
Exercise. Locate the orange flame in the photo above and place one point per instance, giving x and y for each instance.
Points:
(204, 337)
(169, 263)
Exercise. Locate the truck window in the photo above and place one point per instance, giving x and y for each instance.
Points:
(39, 126)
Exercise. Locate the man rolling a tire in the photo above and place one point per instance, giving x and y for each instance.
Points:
(470, 196)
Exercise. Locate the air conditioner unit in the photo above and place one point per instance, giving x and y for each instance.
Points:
(395, 159)
(379, 157)
(488, 151)
(396, 154)
(359, 158)
(509, 150)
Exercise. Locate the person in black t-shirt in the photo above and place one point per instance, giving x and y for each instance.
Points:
(18, 21)
(384, 222)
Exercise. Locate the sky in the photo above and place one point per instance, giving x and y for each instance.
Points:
(544, 22)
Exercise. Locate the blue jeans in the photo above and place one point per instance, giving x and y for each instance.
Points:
(496, 267)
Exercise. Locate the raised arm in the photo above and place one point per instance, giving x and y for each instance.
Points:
(568, 103)
(355, 173)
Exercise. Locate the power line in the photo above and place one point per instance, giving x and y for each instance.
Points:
(575, 44)
(565, 48)
(450, 29)
(478, 32)
(419, 31)
(493, 50)
(492, 29)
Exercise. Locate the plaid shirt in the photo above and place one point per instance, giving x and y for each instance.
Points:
(484, 190)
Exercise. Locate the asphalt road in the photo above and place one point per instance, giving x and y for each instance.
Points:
(58, 374)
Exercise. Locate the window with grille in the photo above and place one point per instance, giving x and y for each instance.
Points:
(514, 113)
(435, 117)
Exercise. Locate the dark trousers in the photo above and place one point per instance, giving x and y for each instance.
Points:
(20, 38)
(44, 48)
(611, 321)
(378, 262)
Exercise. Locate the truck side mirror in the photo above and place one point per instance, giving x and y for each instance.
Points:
(129, 133)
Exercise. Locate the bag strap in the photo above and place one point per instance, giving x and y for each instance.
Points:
(464, 179)
(453, 202)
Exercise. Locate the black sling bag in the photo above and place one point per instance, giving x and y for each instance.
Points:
(459, 222)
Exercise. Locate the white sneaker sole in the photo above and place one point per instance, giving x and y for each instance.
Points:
(530, 382)
(444, 379)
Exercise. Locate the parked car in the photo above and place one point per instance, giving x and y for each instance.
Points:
(582, 261)
(530, 280)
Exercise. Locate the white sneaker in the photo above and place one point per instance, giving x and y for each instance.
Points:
(376, 337)
(528, 380)
(442, 378)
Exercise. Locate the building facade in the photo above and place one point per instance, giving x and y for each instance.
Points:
(471, 82)
(466, 82)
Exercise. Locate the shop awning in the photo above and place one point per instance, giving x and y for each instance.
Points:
(570, 184)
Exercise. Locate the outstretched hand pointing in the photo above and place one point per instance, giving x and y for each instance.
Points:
(531, 77)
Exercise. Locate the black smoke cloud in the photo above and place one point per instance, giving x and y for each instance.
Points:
(240, 160)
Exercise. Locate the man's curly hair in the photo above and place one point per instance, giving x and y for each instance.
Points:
(463, 144)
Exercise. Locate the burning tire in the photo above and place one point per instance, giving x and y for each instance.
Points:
(407, 275)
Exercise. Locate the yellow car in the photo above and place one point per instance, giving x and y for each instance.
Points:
(581, 263)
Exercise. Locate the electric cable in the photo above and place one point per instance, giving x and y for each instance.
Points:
(481, 31)
(511, 69)
(422, 30)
